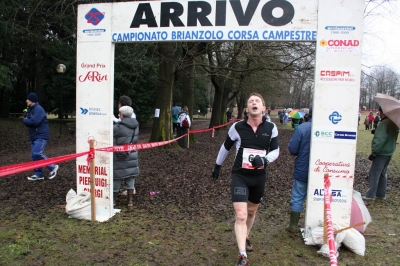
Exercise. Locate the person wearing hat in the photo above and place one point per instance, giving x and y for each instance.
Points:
(382, 148)
(299, 146)
(124, 101)
(39, 134)
(126, 164)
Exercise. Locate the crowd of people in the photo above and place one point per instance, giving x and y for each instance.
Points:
(254, 152)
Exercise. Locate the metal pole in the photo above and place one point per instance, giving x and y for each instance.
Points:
(60, 111)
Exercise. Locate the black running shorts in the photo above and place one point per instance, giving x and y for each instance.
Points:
(247, 187)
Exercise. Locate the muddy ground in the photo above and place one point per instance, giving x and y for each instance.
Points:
(186, 194)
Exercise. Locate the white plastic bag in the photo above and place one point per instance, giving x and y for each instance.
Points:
(78, 205)
(354, 241)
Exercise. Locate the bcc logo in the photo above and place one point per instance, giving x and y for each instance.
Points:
(323, 134)
(335, 117)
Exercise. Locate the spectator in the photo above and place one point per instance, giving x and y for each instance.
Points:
(299, 146)
(124, 101)
(175, 125)
(366, 123)
(39, 134)
(285, 118)
(228, 114)
(382, 148)
(281, 115)
(126, 164)
(377, 119)
(371, 120)
(295, 123)
(184, 114)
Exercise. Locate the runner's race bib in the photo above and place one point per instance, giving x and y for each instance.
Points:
(248, 156)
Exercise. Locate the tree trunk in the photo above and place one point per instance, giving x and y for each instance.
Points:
(162, 125)
(216, 107)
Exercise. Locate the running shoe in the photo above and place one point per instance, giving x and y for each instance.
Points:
(249, 246)
(242, 260)
(54, 172)
(35, 177)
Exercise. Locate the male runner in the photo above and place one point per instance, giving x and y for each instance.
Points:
(256, 145)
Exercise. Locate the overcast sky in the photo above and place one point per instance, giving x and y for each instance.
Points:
(381, 44)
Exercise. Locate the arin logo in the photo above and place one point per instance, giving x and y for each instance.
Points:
(93, 76)
(94, 16)
(324, 43)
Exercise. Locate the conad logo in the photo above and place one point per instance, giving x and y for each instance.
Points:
(324, 43)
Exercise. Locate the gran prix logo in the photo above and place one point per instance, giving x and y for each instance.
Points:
(94, 16)
(335, 117)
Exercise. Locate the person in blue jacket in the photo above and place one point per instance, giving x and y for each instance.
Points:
(39, 134)
(299, 146)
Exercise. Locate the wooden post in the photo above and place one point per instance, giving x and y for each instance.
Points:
(92, 182)
(188, 139)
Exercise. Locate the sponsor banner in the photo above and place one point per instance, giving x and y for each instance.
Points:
(339, 30)
(215, 35)
(102, 188)
(339, 195)
(339, 45)
(334, 134)
(337, 76)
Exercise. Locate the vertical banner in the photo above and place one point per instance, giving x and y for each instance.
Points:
(335, 109)
(94, 101)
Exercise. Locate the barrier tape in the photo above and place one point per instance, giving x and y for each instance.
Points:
(139, 146)
(331, 234)
(23, 167)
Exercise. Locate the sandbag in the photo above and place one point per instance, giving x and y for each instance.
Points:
(78, 205)
(354, 241)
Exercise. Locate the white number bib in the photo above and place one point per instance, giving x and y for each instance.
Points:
(248, 155)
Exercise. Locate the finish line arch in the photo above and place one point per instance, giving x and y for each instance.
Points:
(336, 26)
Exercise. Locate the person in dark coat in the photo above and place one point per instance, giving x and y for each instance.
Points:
(299, 146)
(39, 134)
(377, 119)
(126, 164)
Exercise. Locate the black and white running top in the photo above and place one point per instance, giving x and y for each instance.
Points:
(263, 142)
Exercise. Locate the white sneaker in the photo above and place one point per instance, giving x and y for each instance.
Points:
(35, 177)
(54, 172)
